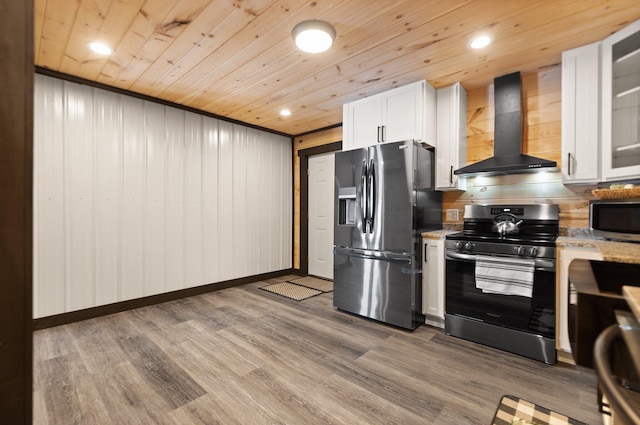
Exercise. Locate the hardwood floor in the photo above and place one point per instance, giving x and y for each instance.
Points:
(246, 356)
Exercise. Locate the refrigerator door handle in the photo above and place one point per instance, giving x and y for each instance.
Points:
(363, 196)
(371, 196)
(376, 255)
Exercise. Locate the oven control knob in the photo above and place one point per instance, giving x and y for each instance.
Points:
(468, 246)
(533, 251)
(459, 245)
(520, 250)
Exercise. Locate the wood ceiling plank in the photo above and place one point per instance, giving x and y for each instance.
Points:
(161, 37)
(500, 68)
(406, 61)
(263, 71)
(129, 60)
(114, 26)
(59, 16)
(400, 64)
(542, 42)
(143, 26)
(249, 42)
(215, 26)
(248, 79)
(89, 17)
(291, 81)
(373, 70)
(39, 6)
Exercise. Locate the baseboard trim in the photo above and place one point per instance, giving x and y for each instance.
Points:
(104, 310)
(436, 322)
(565, 357)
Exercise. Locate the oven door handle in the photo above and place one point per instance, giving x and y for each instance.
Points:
(540, 264)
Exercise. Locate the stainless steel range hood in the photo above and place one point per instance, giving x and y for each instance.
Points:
(507, 156)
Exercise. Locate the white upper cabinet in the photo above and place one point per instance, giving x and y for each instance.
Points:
(361, 123)
(581, 114)
(621, 104)
(451, 147)
(404, 113)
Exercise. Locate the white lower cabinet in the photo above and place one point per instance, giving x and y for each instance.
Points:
(433, 281)
(565, 255)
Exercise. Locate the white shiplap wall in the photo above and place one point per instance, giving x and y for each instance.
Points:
(133, 198)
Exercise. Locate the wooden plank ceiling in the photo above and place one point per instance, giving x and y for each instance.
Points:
(236, 58)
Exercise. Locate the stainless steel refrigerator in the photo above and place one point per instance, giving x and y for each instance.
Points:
(385, 199)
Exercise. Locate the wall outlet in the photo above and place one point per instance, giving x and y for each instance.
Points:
(452, 215)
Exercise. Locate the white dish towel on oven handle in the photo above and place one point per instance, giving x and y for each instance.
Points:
(505, 275)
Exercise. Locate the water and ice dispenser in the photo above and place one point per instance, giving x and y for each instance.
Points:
(347, 206)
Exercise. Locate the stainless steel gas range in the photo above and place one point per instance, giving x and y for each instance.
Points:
(501, 278)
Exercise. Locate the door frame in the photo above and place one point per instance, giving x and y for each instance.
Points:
(324, 159)
(304, 155)
(16, 189)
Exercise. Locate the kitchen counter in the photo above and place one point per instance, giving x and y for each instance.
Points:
(632, 296)
(618, 252)
(438, 234)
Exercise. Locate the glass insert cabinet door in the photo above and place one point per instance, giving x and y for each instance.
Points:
(621, 104)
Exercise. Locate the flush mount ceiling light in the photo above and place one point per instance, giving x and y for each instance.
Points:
(313, 36)
(480, 41)
(285, 112)
(100, 48)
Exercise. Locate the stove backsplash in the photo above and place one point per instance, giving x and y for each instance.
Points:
(541, 188)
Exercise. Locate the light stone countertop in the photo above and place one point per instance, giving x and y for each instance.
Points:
(619, 252)
(438, 234)
(632, 296)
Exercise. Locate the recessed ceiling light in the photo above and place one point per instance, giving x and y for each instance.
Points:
(100, 48)
(313, 36)
(480, 42)
(285, 112)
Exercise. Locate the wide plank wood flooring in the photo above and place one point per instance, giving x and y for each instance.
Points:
(247, 356)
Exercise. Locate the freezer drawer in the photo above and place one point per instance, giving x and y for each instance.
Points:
(379, 286)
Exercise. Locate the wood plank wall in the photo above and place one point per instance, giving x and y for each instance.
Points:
(542, 130)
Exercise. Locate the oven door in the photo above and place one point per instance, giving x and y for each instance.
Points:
(535, 315)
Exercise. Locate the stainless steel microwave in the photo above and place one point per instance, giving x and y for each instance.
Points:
(617, 219)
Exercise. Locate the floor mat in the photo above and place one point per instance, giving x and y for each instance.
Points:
(516, 411)
(292, 291)
(314, 283)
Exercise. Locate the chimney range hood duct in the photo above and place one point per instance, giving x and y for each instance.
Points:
(507, 156)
